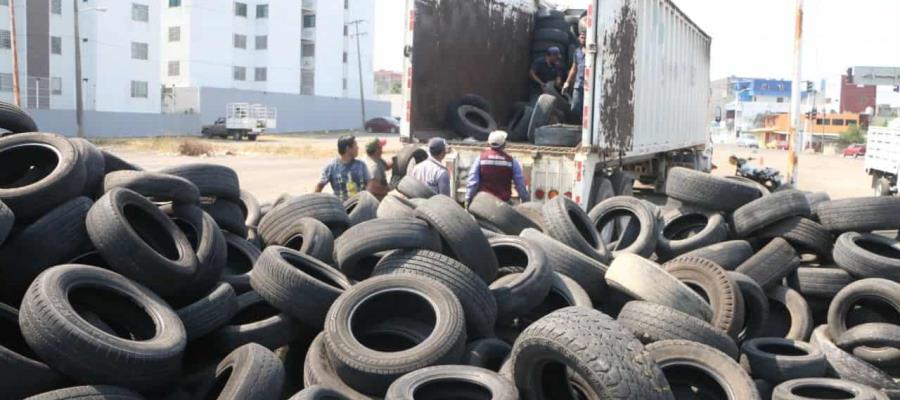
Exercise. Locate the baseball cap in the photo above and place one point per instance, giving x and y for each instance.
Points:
(375, 144)
(554, 51)
(344, 142)
(437, 146)
(497, 139)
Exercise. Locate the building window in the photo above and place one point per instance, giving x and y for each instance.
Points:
(174, 3)
(240, 73)
(139, 89)
(175, 34)
(55, 45)
(780, 87)
(240, 41)
(240, 9)
(56, 86)
(174, 68)
(837, 122)
(260, 74)
(309, 21)
(262, 11)
(140, 12)
(262, 42)
(6, 82)
(5, 39)
(55, 7)
(139, 51)
(345, 57)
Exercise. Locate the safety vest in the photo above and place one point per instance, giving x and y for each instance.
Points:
(496, 172)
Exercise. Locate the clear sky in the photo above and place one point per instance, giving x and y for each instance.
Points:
(751, 38)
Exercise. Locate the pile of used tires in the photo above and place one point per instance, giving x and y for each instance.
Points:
(540, 123)
(128, 284)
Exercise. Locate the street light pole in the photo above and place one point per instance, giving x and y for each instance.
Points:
(362, 97)
(793, 171)
(17, 96)
(79, 101)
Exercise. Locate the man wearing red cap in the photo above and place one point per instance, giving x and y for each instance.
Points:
(378, 184)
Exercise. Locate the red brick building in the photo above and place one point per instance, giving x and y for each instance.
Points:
(856, 98)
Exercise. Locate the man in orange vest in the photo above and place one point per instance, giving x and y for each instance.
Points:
(494, 172)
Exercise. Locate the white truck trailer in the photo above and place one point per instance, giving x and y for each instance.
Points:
(883, 159)
(647, 88)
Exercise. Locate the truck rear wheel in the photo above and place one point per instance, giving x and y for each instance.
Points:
(252, 138)
(882, 187)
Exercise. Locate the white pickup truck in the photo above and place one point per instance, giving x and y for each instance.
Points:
(883, 159)
(243, 120)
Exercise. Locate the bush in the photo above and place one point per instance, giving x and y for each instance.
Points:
(194, 148)
(853, 135)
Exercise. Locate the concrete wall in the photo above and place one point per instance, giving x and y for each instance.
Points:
(114, 124)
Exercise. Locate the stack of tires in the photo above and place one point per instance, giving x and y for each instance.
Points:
(471, 117)
(556, 29)
(122, 283)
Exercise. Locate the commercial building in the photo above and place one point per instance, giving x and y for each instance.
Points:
(819, 131)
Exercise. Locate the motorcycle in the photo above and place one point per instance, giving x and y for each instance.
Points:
(768, 177)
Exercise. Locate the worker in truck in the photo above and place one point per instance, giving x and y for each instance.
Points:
(546, 71)
(575, 81)
(494, 172)
(378, 184)
(432, 172)
(347, 175)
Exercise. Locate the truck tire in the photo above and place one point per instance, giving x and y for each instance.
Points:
(40, 172)
(325, 208)
(610, 211)
(558, 135)
(451, 381)
(524, 293)
(361, 208)
(90, 392)
(355, 252)
(547, 343)
(778, 360)
(148, 353)
(462, 238)
(250, 372)
(826, 388)
(94, 166)
(471, 121)
(209, 313)
(728, 255)
(211, 179)
(653, 322)
(587, 272)
(684, 230)
(489, 208)
(868, 255)
(874, 289)
(849, 368)
(864, 214)
(371, 370)
(805, 235)
(156, 186)
(569, 224)
(709, 192)
(413, 188)
(724, 295)
(476, 101)
(882, 187)
(15, 120)
(681, 360)
(544, 114)
(255, 322)
(771, 264)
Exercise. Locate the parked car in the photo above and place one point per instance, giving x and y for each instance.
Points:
(749, 141)
(777, 145)
(382, 125)
(855, 150)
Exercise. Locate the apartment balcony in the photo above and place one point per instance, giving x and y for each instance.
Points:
(309, 5)
(308, 63)
(309, 34)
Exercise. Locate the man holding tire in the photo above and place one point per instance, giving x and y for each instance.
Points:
(545, 71)
(495, 172)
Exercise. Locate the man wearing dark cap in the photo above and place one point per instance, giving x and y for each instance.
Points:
(347, 175)
(378, 184)
(432, 172)
(546, 71)
(495, 172)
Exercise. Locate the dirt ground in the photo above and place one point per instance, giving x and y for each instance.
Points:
(292, 164)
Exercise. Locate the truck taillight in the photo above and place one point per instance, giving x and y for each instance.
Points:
(539, 194)
(568, 194)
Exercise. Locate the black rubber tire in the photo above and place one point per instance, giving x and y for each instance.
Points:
(361, 208)
(209, 313)
(255, 322)
(477, 101)
(768, 210)
(55, 331)
(356, 252)
(406, 156)
(864, 214)
(728, 255)
(250, 372)
(543, 114)
(517, 111)
(412, 188)
(15, 120)
(771, 264)
(805, 235)
(488, 353)
(317, 392)
(371, 371)
(724, 295)
(461, 236)
(552, 34)
(94, 166)
(211, 179)
(825, 388)
(611, 210)
(395, 207)
(39, 172)
(756, 305)
(318, 370)
(139, 241)
(569, 224)
(866, 255)
(872, 289)
(539, 49)
(297, 284)
(729, 377)
(708, 192)
(91, 392)
(228, 214)
(820, 283)
(533, 284)
(778, 360)
(589, 273)
(564, 292)
(518, 129)
(489, 208)
(552, 22)
(677, 234)
(534, 212)
(801, 319)
(306, 235)
(325, 208)
(876, 334)
(558, 135)
(653, 322)
(18, 361)
(240, 260)
(477, 301)
(452, 382)
(603, 343)
(113, 163)
(55, 238)
(211, 249)
(645, 280)
(849, 368)
(463, 121)
(156, 186)
(7, 220)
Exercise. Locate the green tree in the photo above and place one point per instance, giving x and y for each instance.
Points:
(852, 135)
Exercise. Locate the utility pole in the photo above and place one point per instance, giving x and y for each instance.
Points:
(362, 97)
(793, 137)
(79, 101)
(17, 97)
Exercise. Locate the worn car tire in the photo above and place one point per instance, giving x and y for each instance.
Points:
(489, 208)
(406, 158)
(240, 259)
(768, 210)
(461, 236)
(864, 214)
(543, 114)
(91, 392)
(526, 291)
(26, 373)
(518, 127)
(228, 215)
(14, 119)
(94, 166)
(587, 272)
(255, 322)
(534, 212)
(412, 188)
(610, 211)
(318, 370)
(684, 230)
(820, 283)
(708, 192)
(778, 360)
(249, 208)
(113, 163)
(771, 264)
(872, 289)
(825, 388)
(681, 360)
(645, 280)
(306, 235)
(569, 224)
(756, 305)
(653, 322)
(728, 255)
(558, 135)
(211, 179)
(356, 251)
(850, 368)
(724, 295)
(325, 208)
(488, 353)
(876, 334)
(801, 324)
(361, 208)
(395, 207)
(805, 235)
(250, 372)
(471, 121)
(156, 186)
(210, 312)
(451, 381)
(866, 255)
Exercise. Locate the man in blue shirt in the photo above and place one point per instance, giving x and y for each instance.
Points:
(432, 171)
(347, 175)
(576, 79)
(546, 71)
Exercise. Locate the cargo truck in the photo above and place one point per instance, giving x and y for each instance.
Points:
(647, 89)
(883, 159)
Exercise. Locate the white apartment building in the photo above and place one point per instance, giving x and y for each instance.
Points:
(275, 46)
(120, 54)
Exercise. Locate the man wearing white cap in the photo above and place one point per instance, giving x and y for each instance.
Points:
(494, 172)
